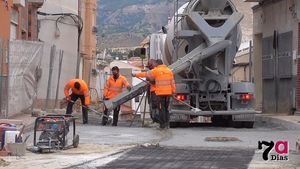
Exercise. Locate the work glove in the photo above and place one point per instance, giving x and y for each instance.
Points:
(129, 88)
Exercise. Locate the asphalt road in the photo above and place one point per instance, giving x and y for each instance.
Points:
(175, 158)
(196, 146)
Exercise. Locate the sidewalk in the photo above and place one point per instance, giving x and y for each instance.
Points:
(290, 122)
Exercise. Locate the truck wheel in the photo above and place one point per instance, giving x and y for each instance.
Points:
(215, 120)
(248, 124)
(219, 121)
(243, 124)
(237, 124)
(184, 124)
(173, 124)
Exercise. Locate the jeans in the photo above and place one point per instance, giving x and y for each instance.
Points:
(154, 112)
(163, 107)
(74, 97)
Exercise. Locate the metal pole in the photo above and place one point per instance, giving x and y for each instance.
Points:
(143, 122)
(78, 42)
(78, 63)
(7, 83)
(61, 56)
(250, 62)
(52, 55)
(136, 110)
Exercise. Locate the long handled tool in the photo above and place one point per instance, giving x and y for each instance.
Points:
(194, 109)
(143, 80)
(135, 113)
(95, 111)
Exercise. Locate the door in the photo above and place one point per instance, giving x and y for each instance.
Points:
(278, 80)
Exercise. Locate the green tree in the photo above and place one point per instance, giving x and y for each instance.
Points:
(131, 54)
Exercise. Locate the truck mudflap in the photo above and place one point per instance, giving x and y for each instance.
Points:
(210, 113)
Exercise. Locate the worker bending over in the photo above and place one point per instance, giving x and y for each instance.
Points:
(114, 86)
(79, 90)
(164, 89)
(153, 101)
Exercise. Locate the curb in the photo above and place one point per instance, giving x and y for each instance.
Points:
(287, 124)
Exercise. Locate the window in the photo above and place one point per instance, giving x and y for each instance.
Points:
(13, 31)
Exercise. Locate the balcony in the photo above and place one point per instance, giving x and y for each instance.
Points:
(37, 3)
(19, 3)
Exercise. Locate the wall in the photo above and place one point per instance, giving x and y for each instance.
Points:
(5, 19)
(241, 73)
(266, 21)
(65, 39)
(27, 27)
(257, 60)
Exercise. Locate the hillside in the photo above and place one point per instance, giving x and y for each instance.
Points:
(124, 23)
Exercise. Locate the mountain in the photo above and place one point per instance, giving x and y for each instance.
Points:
(138, 16)
(124, 23)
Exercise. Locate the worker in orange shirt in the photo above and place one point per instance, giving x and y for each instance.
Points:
(79, 90)
(154, 113)
(114, 86)
(164, 89)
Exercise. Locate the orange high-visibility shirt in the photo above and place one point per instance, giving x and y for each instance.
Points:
(164, 80)
(114, 87)
(84, 90)
(146, 75)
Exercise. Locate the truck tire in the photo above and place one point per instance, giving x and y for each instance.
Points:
(216, 121)
(237, 124)
(173, 124)
(179, 124)
(248, 124)
(243, 124)
(221, 121)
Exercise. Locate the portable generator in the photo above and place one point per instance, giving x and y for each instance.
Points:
(52, 132)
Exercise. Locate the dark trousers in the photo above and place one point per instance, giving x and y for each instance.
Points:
(74, 97)
(115, 116)
(154, 111)
(163, 106)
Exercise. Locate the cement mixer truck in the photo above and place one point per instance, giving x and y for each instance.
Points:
(199, 44)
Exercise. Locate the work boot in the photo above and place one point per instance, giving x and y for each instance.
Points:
(162, 126)
(167, 126)
(104, 121)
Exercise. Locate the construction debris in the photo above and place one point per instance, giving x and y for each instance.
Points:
(3, 163)
(221, 139)
(150, 145)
